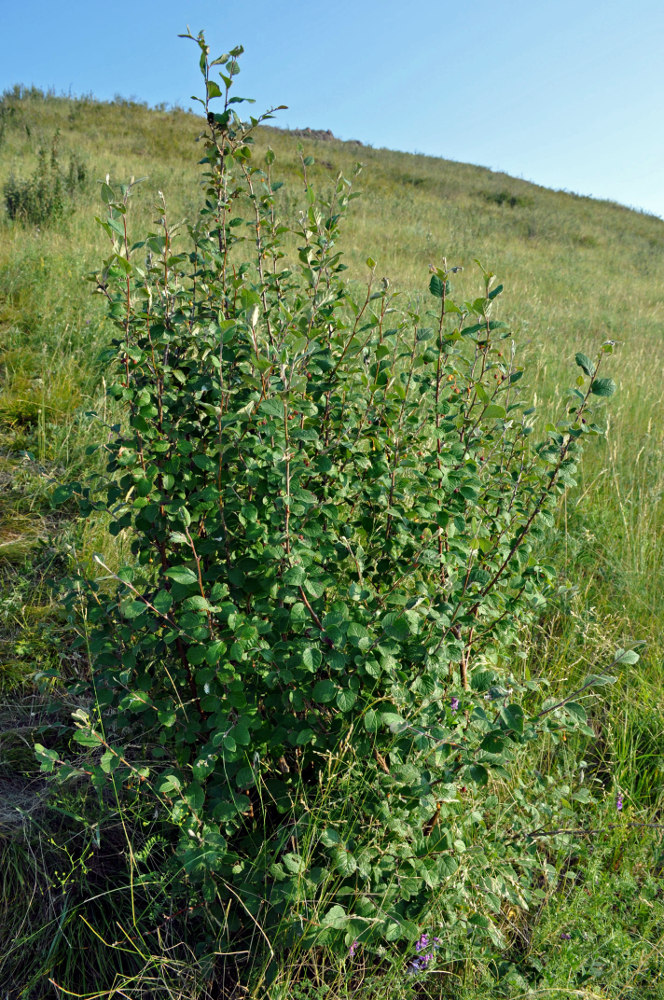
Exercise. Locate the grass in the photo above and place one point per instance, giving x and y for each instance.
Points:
(576, 271)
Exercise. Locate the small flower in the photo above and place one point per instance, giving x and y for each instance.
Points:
(619, 802)
(454, 704)
(422, 943)
(420, 963)
(353, 949)
(564, 936)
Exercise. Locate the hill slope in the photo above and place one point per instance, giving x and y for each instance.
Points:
(576, 272)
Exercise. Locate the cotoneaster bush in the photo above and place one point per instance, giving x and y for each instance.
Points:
(302, 683)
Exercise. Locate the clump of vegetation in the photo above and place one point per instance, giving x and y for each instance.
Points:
(42, 198)
(304, 684)
(507, 198)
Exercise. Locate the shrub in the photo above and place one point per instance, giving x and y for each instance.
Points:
(507, 198)
(303, 682)
(42, 198)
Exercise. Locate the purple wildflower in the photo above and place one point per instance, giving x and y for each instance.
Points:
(420, 964)
(422, 943)
(454, 704)
(619, 802)
(564, 936)
(353, 949)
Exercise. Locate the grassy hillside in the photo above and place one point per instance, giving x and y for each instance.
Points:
(576, 272)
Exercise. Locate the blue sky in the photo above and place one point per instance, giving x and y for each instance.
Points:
(566, 93)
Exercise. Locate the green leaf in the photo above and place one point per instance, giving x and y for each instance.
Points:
(118, 228)
(357, 633)
(603, 386)
(168, 784)
(245, 778)
(312, 658)
(195, 796)
(272, 408)
(295, 576)
(335, 917)
(314, 588)
(493, 742)
(512, 716)
(599, 680)
(162, 601)
(628, 656)
(437, 286)
(393, 721)
(294, 863)
(241, 732)
(345, 700)
(132, 609)
(182, 574)
(204, 767)
(214, 652)
(48, 757)
(213, 89)
(87, 738)
(371, 721)
(324, 691)
(478, 774)
(343, 861)
(584, 362)
(197, 603)
(495, 410)
(395, 625)
(577, 711)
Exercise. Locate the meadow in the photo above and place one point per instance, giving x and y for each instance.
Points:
(576, 273)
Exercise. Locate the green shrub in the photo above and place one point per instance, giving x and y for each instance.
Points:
(42, 198)
(303, 683)
(507, 198)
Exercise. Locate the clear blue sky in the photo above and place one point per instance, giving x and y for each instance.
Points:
(566, 93)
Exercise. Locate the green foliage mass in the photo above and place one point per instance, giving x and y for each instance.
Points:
(335, 512)
(42, 198)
